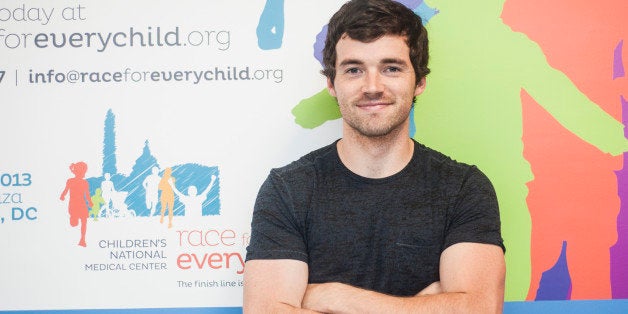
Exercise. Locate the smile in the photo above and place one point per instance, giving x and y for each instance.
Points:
(373, 106)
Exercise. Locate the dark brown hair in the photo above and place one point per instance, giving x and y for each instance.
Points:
(369, 20)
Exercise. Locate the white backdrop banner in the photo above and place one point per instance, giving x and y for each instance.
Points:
(167, 116)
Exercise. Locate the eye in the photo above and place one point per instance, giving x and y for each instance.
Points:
(392, 69)
(352, 71)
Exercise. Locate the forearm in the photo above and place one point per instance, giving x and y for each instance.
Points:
(341, 298)
(275, 308)
(275, 286)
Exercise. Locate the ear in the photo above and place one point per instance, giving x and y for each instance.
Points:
(330, 87)
(420, 87)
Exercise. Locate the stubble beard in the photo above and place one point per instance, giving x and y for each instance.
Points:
(377, 124)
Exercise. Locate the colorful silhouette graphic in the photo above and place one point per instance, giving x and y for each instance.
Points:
(167, 196)
(619, 251)
(151, 188)
(143, 191)
(471, 111)
(97, 202)
(193, 202)
(137, 194)
(573, 197)
(570, 200)
(555, 283)
(271, 25)
(80, 201)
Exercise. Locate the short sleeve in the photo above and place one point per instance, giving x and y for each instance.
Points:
(474, 215)
(275, 230)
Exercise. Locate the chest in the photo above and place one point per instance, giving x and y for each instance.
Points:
(387, 238)
(371, 218)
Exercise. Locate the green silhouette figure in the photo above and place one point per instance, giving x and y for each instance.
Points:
(471, 111)
(98, 201)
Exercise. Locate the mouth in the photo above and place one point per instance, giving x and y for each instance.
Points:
(372, 106)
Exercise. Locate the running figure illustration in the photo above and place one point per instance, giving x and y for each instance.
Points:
(80, 200)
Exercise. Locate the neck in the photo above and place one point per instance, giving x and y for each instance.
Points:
(375, 157)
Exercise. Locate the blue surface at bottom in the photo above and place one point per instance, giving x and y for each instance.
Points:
(536, 307)
(572, 307)
(194, 310)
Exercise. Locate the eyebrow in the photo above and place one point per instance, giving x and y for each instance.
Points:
(350, 62)
(383, 61)
(394, 61)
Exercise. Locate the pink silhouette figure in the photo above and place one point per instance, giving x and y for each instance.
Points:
(80, 200)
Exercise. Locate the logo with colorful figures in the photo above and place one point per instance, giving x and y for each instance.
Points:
(150, 191)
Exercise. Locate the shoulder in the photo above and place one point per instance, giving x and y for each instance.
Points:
(295, 184)
(434, 160)
(305, 168)
(438, 166)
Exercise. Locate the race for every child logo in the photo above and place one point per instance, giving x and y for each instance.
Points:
(148, 192)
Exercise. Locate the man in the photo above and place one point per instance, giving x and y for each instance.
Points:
(375, 222)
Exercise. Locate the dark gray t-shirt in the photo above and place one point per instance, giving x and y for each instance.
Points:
(386, 234)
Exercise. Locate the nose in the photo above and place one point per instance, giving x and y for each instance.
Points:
(373, 83)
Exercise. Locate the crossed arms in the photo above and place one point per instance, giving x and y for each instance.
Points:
(471, 281)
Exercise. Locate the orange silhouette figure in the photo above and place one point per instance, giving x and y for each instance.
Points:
(573, 197)
(167, 196)
(79, 198)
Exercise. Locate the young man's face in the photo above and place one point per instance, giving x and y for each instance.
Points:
(374, 85)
